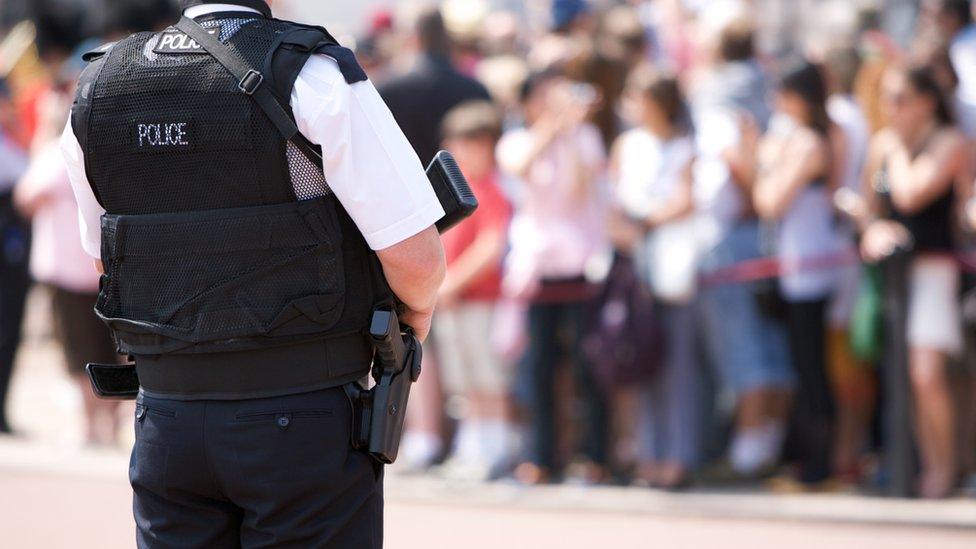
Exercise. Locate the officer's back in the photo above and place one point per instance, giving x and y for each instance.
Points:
(241, 268)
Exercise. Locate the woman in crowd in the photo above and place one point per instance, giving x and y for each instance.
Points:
(652, 166)
(914, 165)
(853, 380)
(57, 260)
(791, 190)
(747, 348)
(558, 228)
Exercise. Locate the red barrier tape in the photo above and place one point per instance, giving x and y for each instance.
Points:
(770, 267)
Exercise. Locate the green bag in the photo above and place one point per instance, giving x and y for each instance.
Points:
(867, 319)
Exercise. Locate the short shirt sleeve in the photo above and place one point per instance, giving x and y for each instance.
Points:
(89, 210)
(369, 164)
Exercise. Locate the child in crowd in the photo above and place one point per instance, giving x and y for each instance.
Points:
(471, 370)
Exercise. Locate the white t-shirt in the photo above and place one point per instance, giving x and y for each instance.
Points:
(369, 165)
(849, 116)
(718, 201)
(650, 172)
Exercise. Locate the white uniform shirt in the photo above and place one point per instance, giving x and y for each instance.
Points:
(370, 166)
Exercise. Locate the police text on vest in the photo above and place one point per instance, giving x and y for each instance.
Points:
(172, 134)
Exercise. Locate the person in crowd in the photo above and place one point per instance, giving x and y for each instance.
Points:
(14, 250)
(376, 49)
(913, 167)
(747, 348)
(792, 189)
(559, 158)
(422, 98)
(419, 101)
(470, 367)
(652, 168)
(853, 382)
(955, 21)
(575, 40)
(625, 37)
(878, 51)
(58, 261)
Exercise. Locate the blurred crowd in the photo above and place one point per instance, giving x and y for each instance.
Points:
(682, 267)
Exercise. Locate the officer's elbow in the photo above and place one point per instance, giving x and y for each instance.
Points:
(415, 268)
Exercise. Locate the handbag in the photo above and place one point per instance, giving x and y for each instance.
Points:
(672, 257)
(867, 319)
(623, 341)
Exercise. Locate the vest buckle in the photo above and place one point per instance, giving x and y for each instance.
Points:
(251, 82)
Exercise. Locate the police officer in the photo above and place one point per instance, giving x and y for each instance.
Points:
(241, 269)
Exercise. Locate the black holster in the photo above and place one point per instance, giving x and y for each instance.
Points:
(379, 412)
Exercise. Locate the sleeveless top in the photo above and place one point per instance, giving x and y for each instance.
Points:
(931, 228)
(805, 237)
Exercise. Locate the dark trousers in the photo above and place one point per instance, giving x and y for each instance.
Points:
(555, 331)
(14, 283)
(272, 472)
(813, 416)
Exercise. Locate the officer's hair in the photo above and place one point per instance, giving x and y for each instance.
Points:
(472, 120)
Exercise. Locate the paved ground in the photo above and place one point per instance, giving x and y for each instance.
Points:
(56, 494)
(51, 511)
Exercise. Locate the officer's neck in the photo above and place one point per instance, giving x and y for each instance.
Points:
(211, 6)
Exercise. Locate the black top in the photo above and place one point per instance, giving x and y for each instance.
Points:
(930, 228)
(422, 98)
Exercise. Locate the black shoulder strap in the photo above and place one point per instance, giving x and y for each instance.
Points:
(250, 83)
(97, 53)
(310, 40)
(82, 106)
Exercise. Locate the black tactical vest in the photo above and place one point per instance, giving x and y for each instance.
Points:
(220, 234)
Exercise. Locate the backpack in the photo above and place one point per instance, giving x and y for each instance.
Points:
(623, 340)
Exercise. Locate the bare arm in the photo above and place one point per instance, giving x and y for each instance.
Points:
(742, 159)
(801, 161)
(915, 184)
(540, 137)
(479, 258)
(28, 199)
(839, 157)
(878, 150)
(680, 205)
(415, 270)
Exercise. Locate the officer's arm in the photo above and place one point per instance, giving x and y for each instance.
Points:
(376, 175)
(415, 269)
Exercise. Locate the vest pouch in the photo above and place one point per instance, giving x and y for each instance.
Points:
(203, 281)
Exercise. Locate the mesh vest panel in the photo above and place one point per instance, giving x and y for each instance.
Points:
(200, 255)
